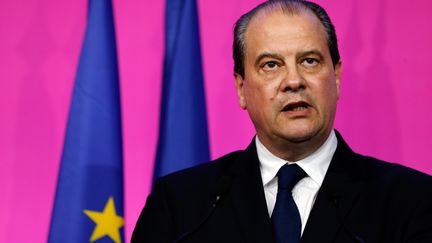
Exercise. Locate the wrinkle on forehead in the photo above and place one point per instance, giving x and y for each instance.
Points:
(280, 9)
(279, 27)
(287, 9)
(265, 13)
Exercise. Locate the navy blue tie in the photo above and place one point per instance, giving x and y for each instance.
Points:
(286, 217)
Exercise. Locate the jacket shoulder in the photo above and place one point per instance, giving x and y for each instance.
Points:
(196, 185)
(392, 172)
(404, 185)
(204, 172)
(179, 200)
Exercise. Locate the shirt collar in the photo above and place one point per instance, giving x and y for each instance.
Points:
(315, 165)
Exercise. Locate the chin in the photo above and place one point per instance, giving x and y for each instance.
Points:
(300, 135)
(299, 139)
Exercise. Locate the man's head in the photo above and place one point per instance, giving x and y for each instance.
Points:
(288, 79)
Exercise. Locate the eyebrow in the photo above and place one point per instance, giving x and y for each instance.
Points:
(312, 52)
(267, 55)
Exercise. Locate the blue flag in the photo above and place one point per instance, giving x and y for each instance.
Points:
(89, 198)
(183, 136)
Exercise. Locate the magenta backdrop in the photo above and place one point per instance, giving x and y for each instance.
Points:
(383, 110)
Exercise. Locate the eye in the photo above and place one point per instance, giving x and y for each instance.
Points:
(310, 62)
(269, 66)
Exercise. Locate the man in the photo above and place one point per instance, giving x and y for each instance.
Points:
(287, 72)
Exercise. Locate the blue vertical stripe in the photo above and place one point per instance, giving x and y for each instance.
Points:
(183, 136)
(90, 181)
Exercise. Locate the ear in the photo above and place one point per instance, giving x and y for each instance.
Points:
(338, 73)
(239, 82)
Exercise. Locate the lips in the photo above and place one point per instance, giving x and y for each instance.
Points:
(296, 106)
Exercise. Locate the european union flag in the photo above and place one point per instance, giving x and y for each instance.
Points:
(183, 137)
(89, 197)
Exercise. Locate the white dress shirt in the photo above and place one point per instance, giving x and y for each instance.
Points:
(305, 191)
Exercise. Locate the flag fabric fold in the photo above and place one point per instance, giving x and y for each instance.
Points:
(183, 135)
(88, 204)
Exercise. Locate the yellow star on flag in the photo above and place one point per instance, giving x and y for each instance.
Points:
(107, 222)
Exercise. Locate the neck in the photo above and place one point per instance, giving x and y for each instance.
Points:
(294, 150)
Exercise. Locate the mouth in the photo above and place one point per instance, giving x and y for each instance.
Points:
(296, 106)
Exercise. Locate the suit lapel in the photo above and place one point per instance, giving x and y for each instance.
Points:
(341, 187)
(248, 199)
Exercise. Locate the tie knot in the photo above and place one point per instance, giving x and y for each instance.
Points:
(289, 175)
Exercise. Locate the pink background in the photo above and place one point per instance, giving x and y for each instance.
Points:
(383, 111)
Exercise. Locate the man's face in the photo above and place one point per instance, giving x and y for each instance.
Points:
(290, 87)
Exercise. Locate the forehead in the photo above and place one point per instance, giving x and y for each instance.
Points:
(277, 29)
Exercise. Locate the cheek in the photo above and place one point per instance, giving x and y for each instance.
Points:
(258, 92)
(260, 98)
(324, 90)
(329, 97)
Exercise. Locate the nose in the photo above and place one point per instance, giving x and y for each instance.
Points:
(292, 81)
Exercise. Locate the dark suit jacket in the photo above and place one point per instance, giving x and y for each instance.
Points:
(362, 199)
